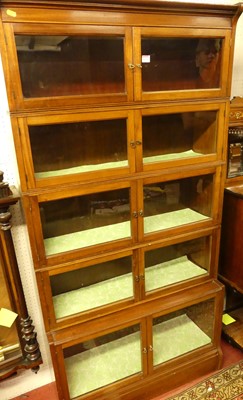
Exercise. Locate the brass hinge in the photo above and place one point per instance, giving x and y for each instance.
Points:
(139, 278)
(136, 143)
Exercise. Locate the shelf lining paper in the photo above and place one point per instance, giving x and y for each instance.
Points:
(122, 230)
(111, 362)
(121, 287)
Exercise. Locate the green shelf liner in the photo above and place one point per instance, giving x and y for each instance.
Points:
(89, 237)
(122, 230)
(99, 294)
(121, 287)
(82, 168)
(172, 219)
(176, 337)
(172, 271)
(115, 164)
(111, 362)
(104, 364)
(172, 156)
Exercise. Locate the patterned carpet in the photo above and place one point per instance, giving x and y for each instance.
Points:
(225, 385)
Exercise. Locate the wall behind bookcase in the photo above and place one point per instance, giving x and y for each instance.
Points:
(26, 380)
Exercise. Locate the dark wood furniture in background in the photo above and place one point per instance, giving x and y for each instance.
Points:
(234, 175)
(18, 342)
(231, 265)
(119, 125)
(231, 253)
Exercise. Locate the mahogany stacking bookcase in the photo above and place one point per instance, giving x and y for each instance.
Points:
(119, 116)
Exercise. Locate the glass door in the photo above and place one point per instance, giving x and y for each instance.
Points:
(182, 135)
(104, 360)
(75, 64)
(182, 331)
(77, 146)
(84, 222)
(172, 63)
(88, 286)
(177, 203)
(177, 263)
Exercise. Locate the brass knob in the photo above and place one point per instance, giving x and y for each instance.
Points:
(131, 66)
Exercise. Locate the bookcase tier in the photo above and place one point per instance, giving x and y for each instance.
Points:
(112, 361)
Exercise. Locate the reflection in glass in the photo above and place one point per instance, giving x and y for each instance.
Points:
(9, 339)
(78, 148)
(103, 360)
(70, 65)
(178, 136)
(195, 323)
(175, 203)
(78, 222)
(176, 263)
(180, 63)
(90, 287)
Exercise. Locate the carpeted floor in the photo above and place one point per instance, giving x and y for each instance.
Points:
(224, 385)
